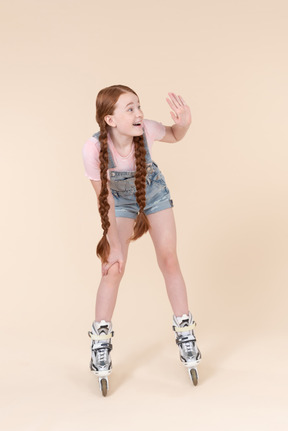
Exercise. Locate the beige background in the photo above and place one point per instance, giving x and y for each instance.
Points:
(228, 179)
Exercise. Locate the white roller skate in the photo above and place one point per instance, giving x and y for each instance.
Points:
(101, 346)
(190, 355)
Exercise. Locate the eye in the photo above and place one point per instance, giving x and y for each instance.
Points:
(130, 109)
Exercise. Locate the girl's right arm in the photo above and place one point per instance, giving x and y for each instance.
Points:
(116, 254)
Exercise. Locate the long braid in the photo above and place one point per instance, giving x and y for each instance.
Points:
(105, 105)
(141, 224)
(103, 247)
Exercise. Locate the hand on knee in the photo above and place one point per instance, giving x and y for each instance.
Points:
(117, 262)
(114, 271)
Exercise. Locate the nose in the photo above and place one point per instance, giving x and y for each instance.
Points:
(139, 112)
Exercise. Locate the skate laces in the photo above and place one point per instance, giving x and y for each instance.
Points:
(188, 347)
(102, 355)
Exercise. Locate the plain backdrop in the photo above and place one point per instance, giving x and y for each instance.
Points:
(227, 177)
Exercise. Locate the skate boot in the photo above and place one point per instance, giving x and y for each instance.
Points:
(190, 355)
(101, 346)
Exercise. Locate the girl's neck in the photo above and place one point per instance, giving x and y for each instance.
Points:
(120, 141)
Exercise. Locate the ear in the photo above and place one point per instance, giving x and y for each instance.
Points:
(109, 121)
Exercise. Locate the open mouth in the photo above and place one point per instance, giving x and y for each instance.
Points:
(137, 124)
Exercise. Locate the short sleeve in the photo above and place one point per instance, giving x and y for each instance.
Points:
(154, 129)
(90, 154)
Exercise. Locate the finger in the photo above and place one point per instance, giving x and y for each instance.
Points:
(172, 105)
(105, 267)
(175, 100)
(174, 118)
(182, 100)
(108, 266)
(120, 262)
(111, 264)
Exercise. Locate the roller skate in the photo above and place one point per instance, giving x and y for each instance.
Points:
(190, 355)
(101, 346)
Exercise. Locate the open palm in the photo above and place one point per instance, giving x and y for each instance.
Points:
(180, 113)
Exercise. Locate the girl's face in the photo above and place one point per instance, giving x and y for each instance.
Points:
(127, 116)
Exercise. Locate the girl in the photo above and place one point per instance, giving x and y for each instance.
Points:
(133, 198)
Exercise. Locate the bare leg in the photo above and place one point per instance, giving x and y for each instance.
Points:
(163, 234)
(109, 284)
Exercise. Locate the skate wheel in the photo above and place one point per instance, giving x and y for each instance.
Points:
(194, 376)
(103, 387)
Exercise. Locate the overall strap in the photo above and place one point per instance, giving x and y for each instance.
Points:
(111, 163)
(148, 155)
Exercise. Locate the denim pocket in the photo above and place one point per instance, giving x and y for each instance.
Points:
(114, 193)
(159, 179)
(123, 185)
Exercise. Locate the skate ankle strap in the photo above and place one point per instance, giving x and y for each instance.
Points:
(185, 328)
(182, 339)
(100, 337)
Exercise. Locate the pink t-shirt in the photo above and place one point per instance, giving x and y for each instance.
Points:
(154, 131)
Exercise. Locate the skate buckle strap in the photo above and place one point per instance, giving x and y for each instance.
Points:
(100, 337)
(185, 328)
(185, 339)
(102, 346)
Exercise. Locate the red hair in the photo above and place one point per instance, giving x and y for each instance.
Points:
(105, 105)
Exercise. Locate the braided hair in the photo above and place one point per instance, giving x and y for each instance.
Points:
(103, 247)
(105, 104)
(141, 224)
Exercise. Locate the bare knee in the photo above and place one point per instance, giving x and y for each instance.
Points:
(168, 261)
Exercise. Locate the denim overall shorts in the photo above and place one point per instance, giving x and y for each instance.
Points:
(123, 189)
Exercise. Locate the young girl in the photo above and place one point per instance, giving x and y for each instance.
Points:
(133, 198)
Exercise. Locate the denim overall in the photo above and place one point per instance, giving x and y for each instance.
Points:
(123, 189)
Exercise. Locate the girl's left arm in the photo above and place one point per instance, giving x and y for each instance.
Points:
(181, 116)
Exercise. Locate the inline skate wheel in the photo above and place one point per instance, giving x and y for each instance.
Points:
(103, 386)
(194, 376)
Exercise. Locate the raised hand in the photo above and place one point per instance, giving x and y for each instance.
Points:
(180, 113)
